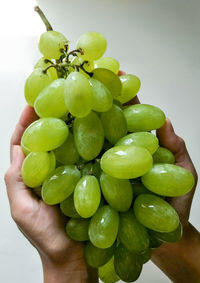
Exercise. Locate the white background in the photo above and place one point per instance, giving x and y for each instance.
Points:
(159, 41)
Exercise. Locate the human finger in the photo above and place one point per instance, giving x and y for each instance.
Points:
(28, 116)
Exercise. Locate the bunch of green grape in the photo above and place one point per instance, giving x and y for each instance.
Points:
(97, 158)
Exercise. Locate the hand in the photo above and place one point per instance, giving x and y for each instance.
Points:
(180, 260)
(43, 225)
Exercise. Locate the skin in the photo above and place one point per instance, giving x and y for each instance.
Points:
(62, 258)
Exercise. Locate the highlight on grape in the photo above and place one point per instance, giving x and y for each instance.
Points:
(96, 157)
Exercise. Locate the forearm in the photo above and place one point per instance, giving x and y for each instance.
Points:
(180, 261)
(71, 272)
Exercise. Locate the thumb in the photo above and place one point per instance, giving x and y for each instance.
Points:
(17, 157)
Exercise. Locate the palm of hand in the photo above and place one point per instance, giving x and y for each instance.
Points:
(43, 225)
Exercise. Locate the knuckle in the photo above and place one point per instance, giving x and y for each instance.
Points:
(19, 213)
(9, 173)
(181, 142)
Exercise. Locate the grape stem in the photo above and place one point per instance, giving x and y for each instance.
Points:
(73, 53)
(43, 18)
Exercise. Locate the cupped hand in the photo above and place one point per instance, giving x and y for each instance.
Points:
(43, 225)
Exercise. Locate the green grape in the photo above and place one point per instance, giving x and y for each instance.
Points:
(145, 255)
(96, 257)
(170, 237)
(51, 43)
(87, 196)
(78, 95)
(127, 265)
(67, 207)
(142, 139)
(163, 155)
(36, 82)
(88, 66)
(155, 213)
(45, 134)
(139, 188)
(168, 180)
(126, 162)
(77, 229)
(67, 152)
(104, 227)
(93, 45)
(52, 161)
(118, 193)
(88, 136)
(143, 117)
(25, 150)
(132, 234)
(36, 167)
(109, 79)
(42, 64)
(114, 124)
(107, 63)
(51, 101)
(60, 184)
(102, 98)
(107, 272)
(130, 87)
(153, 241)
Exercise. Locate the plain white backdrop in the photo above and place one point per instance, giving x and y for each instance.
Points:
(159, 41)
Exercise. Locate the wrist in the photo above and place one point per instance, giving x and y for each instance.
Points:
(72, 270)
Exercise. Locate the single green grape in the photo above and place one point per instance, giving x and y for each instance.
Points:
(77, 229)
(93, 45)
(96, 257)
(35, 168)
(130, 87)
(169, 237)
(102, 98)
(163, 155)
(153, 241)
(60, 184)
(142, 139)
(51, 44)
(143, 117)
(67, 152)
(78, 95)
(52, 161)
(45, 134)
(114, 124)
(127, 265)
(155, 213)
(109, 79)
(126, 162)
(168, 180)
(67, 207)
(145, 255)
(87, 196)
(104, 227)
(107, 272)
(36, 82)
(41, 63)
(139, 188)
(132, 234)
(107, 63)
(51, 100)
(88, 136)
(118, 193)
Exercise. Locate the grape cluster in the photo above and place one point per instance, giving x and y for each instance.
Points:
(98, 159)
